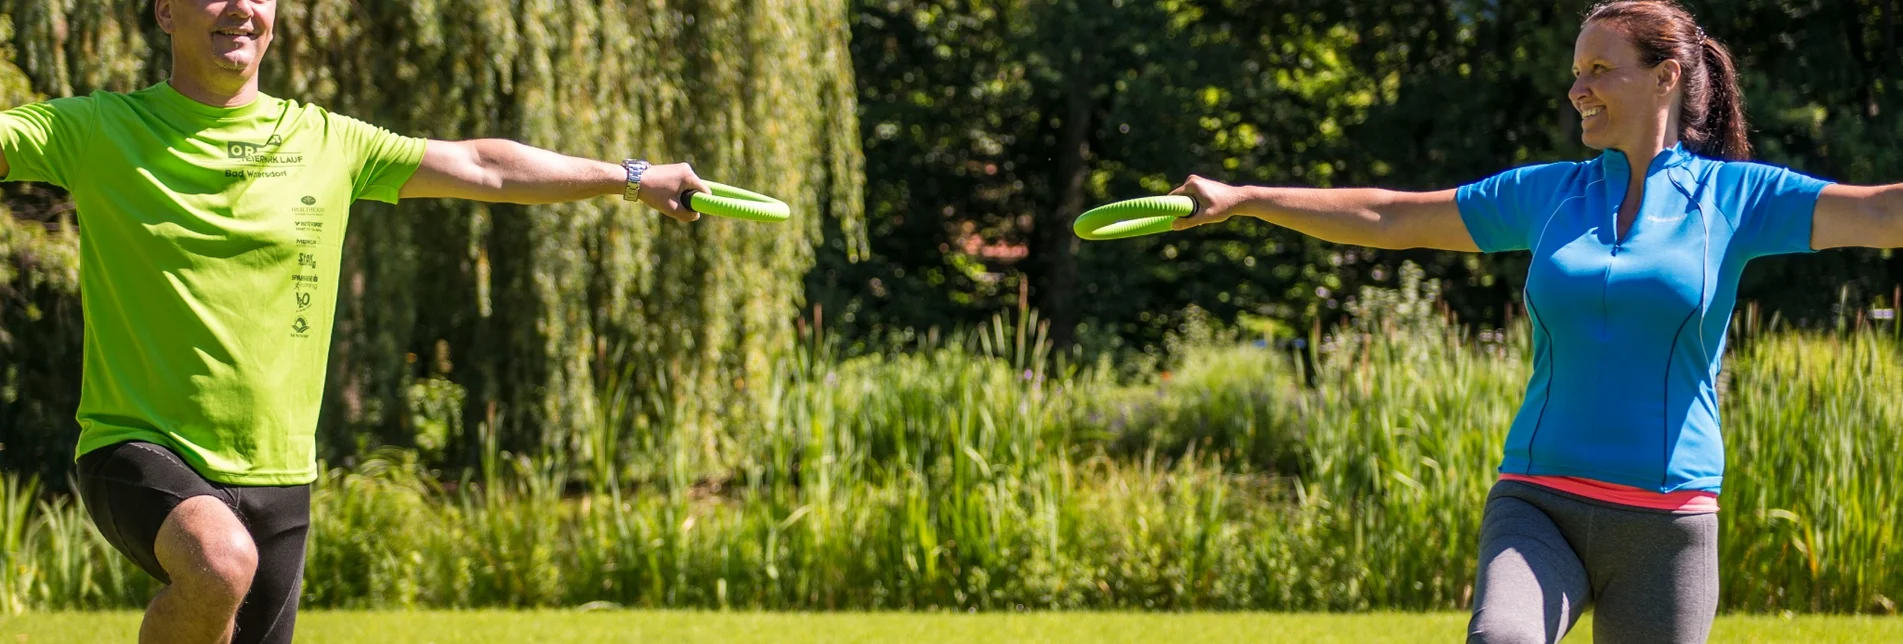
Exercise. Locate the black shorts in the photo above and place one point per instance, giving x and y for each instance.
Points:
(129, 488)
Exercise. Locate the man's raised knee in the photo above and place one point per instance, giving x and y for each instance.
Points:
(204, 546)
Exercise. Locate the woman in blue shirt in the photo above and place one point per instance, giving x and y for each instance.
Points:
(1608, 486)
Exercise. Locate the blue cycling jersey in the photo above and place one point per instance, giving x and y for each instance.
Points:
(1628, 331)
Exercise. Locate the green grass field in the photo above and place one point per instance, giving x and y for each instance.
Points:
(686, 626)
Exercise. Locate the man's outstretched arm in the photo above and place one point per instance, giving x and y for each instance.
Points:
(503, 171)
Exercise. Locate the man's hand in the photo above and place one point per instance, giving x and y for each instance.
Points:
(663, 186)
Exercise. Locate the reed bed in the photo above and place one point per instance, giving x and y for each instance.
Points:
(975, 475)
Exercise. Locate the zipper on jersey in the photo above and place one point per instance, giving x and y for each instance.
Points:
(1605, 283)
(1618, 243)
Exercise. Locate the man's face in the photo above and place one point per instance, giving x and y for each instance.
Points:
(229, 34)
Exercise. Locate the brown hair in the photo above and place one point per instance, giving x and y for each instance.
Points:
(1711, 117)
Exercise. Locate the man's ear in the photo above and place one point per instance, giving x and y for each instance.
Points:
(162, 9)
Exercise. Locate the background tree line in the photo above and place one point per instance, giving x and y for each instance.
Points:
(990, 125)
(457, 316)
(986, 126)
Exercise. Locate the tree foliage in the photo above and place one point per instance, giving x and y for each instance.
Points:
(988, 124)
(527, 312)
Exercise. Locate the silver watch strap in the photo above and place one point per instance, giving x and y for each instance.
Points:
(635, 168)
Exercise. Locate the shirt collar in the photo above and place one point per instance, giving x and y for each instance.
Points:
(168, 96)
(1617, 163)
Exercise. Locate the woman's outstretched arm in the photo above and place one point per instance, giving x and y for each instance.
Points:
(1360, 216)
(1858, 216)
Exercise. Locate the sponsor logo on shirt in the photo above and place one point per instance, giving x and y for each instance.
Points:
(310, 227)
(265, 154)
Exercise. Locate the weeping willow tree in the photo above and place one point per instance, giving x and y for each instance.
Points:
(547, 325)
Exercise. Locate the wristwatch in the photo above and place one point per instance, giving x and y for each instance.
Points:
(635, 168)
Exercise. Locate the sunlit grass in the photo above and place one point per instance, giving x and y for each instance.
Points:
(477, 627)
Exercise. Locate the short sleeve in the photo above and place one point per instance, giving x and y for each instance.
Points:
(386, 160)
(1770, 207)
(44, 141)
(1500, 210)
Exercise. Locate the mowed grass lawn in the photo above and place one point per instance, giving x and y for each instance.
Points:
(686, 626)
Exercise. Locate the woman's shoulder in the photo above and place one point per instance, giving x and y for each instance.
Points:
(1726, 172)
(1553, 176)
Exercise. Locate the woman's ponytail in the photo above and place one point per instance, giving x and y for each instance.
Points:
(1711, 117)
(1724, 127)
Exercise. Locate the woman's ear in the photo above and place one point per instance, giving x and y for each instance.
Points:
(1669, 74)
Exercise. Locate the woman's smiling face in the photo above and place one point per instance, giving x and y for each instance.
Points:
(1618, 97)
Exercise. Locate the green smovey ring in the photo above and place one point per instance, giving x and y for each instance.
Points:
(728, 201)
(1134, 217)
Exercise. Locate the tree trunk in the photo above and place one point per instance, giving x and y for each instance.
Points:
(1058, 290)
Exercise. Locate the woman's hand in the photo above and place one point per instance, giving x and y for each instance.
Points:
(1216, 201)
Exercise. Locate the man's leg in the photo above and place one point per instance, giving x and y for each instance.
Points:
(176, 526)
(211, 559)
(280, 520)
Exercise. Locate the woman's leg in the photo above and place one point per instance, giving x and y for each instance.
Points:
(1655, 576)
(1531, 586)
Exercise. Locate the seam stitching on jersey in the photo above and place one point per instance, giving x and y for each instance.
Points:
(1698, 308)
(1547, 397)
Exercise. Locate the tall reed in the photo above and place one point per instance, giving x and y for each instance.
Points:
(971, 472)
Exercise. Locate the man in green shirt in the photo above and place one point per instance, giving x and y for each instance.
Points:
(213, 219)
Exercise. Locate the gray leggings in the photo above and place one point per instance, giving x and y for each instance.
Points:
(1651, 576)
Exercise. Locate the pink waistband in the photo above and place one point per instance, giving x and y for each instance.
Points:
(1684, 501)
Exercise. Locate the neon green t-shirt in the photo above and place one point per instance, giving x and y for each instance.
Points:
(209, 244)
